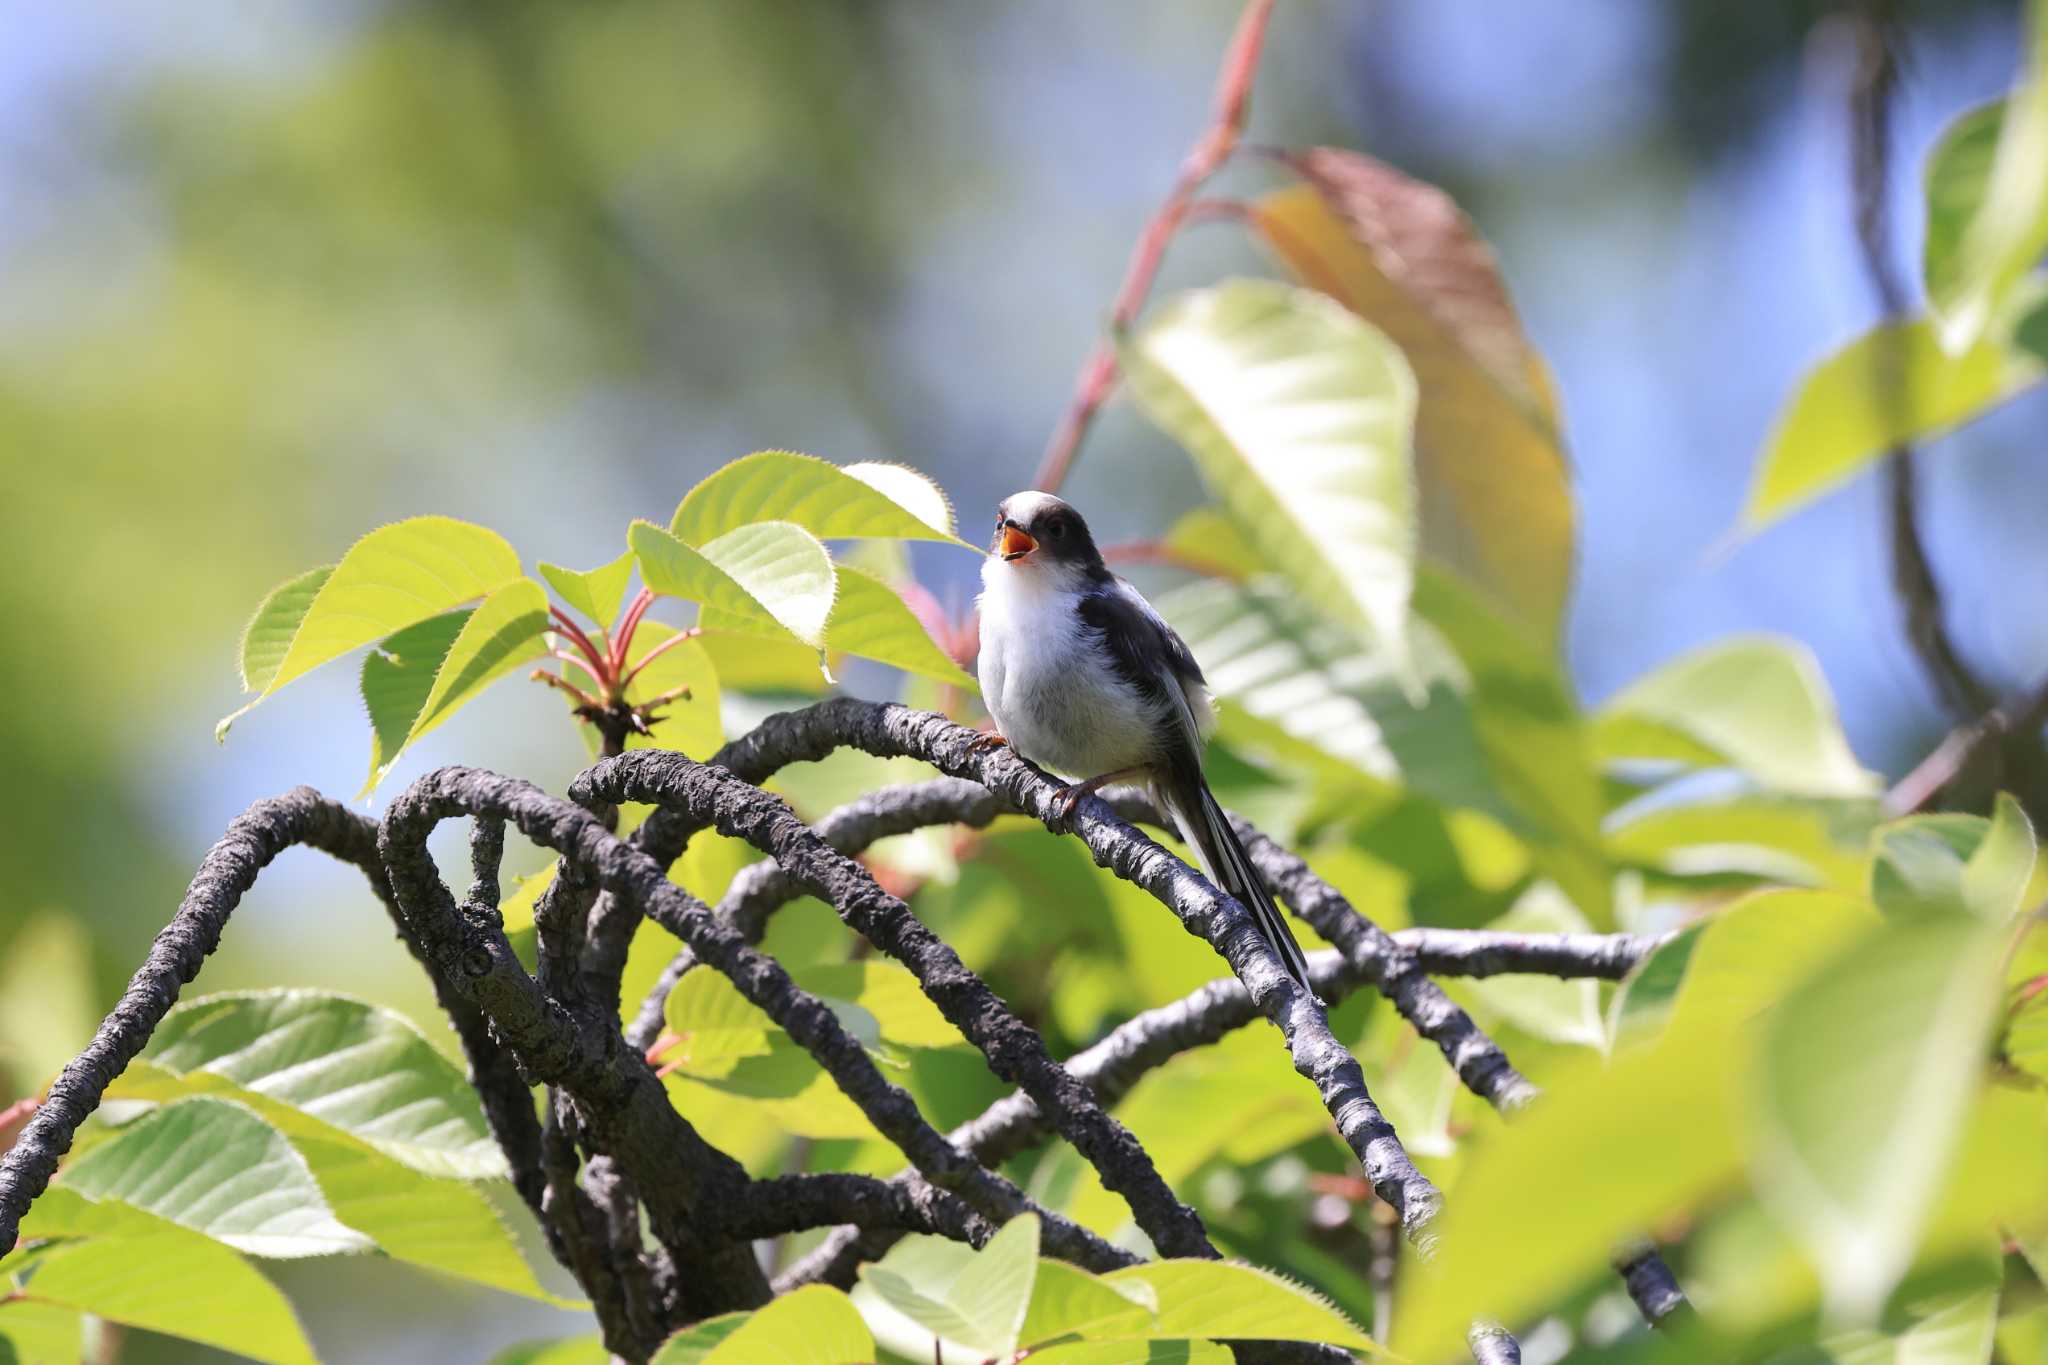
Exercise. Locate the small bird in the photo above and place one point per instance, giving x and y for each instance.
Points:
(1083, 677)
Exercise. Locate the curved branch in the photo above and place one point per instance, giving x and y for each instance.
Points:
(795, 1203)
(230, 868)
(627, 1112)
(1015, 1051)
(758, 891)
(890, 731)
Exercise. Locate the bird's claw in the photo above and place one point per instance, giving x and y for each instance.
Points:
(987, 743)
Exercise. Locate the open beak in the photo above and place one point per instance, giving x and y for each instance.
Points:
(1016, 544)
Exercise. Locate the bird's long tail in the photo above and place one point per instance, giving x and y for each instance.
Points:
(1222, 855)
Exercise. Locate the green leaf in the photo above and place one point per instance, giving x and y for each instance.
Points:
(1496, 502)
(1300, 416)
(1866, 1078)
(1954, 178)
(1955, 863)
(691, 725)
(1222, 1299)
(217, 1168)
(1757, 703)
(39, 1334)
(2006, 228)
(1209, 538)
(859, 501)
(505, 631)
(393, 577)
(558, 1351)
(772, 576)
(361, 1068)
(441, 1224)
(1134, 1353)
(1500, 736)
(1554, 1010)
(1890, 386)
(872, 621)
(269, 633)
(1787, 840)
(1644, 1001)
(397, 677)
(1067, 1302)
(48, 1004)
(815, 1325)
(696, 1342)
(1750, 954)
(1959, 1329)
(1995, 879)
(1659, 1126)
(977, 1299)
(134, 1268)
(594, 592)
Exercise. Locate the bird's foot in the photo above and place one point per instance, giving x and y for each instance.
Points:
(987, 743)
(1069, 796)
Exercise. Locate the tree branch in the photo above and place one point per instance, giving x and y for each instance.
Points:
(1015, 1051)
(889, 731)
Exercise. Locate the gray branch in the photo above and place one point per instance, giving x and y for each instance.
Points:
(1014, 1050)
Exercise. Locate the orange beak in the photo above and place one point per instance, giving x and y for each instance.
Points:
(1016, 544)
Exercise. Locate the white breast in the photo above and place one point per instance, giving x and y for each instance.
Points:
(1051, 690)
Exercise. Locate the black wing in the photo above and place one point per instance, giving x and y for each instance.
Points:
(1144, 650)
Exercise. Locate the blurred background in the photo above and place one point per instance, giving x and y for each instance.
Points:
(278, 274)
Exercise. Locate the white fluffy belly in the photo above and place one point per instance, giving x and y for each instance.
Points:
(1053, 693)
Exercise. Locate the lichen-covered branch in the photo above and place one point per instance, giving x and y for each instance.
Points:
(890, 731)
(1014, 1050)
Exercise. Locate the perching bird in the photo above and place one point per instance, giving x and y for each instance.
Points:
(1083, 677)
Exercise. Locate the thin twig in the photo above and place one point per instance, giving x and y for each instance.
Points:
(1211, 150)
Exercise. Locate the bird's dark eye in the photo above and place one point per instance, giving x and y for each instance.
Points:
(1057, 530)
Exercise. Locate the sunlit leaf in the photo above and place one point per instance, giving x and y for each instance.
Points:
(393, 577)
(814, 1325)
(1300, 416)
(131, 1267)
(396, 680)
(560, 1351)
(1757, 703)
(217, 1168)
(2006, 229)
(1496, 502)
(1750, 954)
(870, 620)
(48, 1000)
(694, 1343)
(772, 576)
(1957, 170)
(270, 631)
(975, 1298)
(1660, 1128)
(1791, 841)
(692, 724)
(1555, 1010)
(1136, 1352)
(362, 1068)
(1867, 1074)
(1891, 385)
(1958, 1330)
(39, 1333)
(1643, 1002)
(505, 631)
(1229, 1300)
(1070, 1302)
(594, 592)
(831, 502)
(1209, 538)
(1960, 863)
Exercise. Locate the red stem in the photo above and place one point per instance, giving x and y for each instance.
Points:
(568, 656)
(1211, 150)
(569, 628)
(622, 639)
(655, 653)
